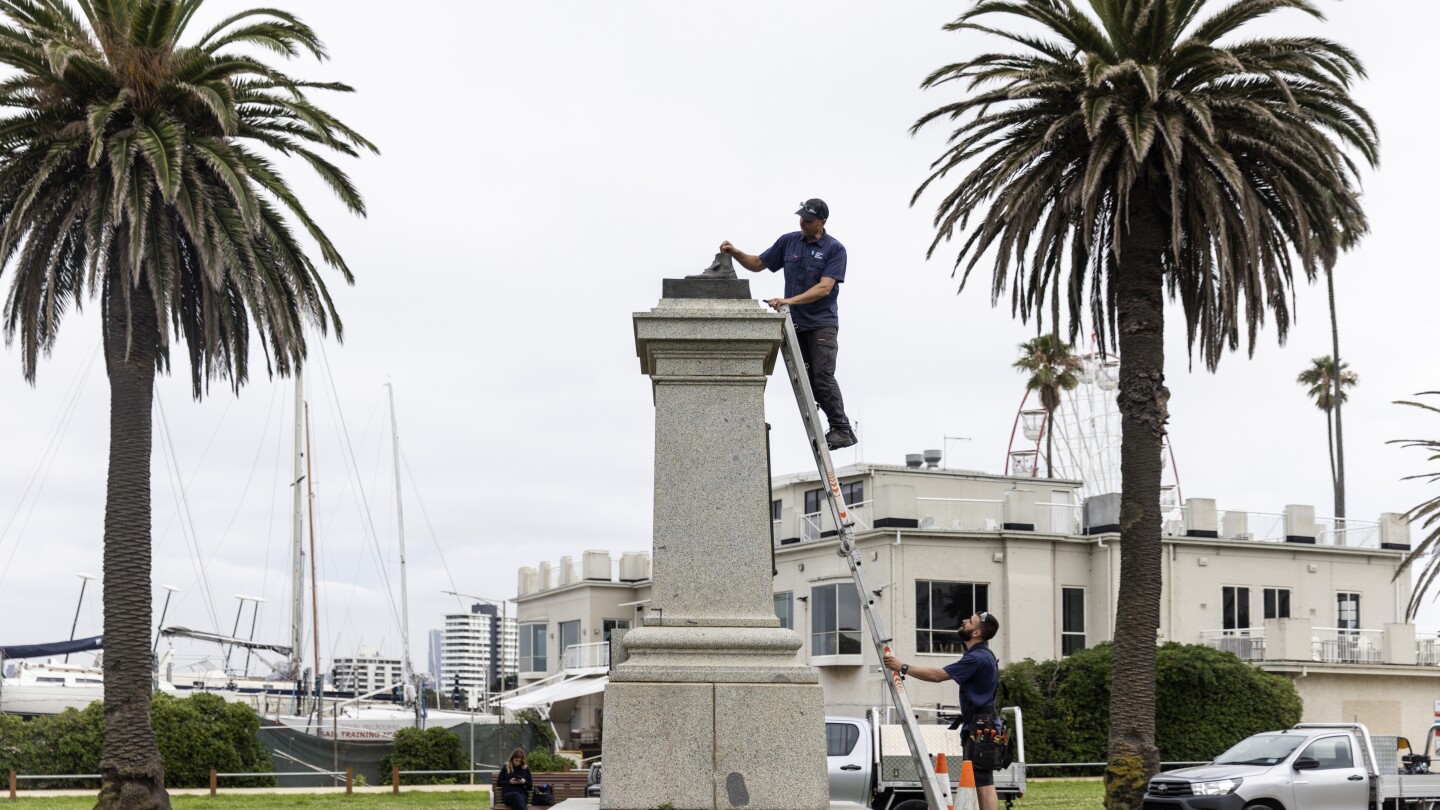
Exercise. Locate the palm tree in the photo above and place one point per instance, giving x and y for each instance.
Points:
(1129, 151)
(1426, 513)
(1052, 367)
(128, 175)
(1323, 382)
(1339, 399)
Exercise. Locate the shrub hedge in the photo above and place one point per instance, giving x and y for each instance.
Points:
(194, 734)
(431, 749)
(1206, 700)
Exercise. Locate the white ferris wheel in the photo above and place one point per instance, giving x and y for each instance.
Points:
(1086, 444)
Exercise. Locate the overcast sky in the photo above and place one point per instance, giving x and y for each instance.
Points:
(544, 166)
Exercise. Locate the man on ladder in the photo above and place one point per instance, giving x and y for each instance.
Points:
(978, 675)
(814, 263)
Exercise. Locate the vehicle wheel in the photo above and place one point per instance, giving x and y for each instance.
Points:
(912, 804)
(1258, 806)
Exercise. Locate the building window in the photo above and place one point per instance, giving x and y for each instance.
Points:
(1236, 602)
(1347, 611)
(939, 609)
(1277, 603)
(785, 609)
(569, 635)
(834, 620)
(775, 509)
(1072, 622)
(532, 648)
(853, 492)
(611, 625)
(812, 501)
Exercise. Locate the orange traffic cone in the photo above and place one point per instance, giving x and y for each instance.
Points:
(942, 770)
(965, 796)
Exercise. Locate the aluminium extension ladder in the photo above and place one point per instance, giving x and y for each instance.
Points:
(937, 786)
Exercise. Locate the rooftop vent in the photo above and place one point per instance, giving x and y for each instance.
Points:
(914, 460)
(932, 458)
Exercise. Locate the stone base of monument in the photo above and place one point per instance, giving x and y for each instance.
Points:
(708, 707)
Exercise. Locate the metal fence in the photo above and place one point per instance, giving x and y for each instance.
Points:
(348, 775)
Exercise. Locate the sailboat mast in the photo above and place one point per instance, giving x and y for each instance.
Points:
(400, 520)
(314, 584)
(297, 539)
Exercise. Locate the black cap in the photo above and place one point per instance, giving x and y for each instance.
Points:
(814, 208)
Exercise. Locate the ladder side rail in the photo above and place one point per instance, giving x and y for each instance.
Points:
(935, 785)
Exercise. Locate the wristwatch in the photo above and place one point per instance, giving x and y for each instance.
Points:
(904, 668)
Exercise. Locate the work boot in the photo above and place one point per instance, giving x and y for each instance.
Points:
(839, 438)
(719, 270)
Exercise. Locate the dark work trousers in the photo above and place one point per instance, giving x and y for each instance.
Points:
(515, 799)
(819, 347)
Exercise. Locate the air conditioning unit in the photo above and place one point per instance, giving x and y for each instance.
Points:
(567, 570)
(1245, 536)
(597, 565)
(634, 566)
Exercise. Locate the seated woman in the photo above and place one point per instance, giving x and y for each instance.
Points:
(512, 783)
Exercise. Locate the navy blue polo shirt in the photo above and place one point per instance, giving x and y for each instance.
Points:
(805, 263)
(978, 673)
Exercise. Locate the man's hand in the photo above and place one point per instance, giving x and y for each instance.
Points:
(892, 663)
(776, 303)
(726, 247)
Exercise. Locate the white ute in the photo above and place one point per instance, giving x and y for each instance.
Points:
(870, 763)
(1313, 766)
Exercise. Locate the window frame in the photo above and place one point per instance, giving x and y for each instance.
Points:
(847, 641)
(847, 492)
(527, 637)
(1271, 607)
(1067, 634)
(813, 499)
(1233, 608)
(787, 621)
(926, 631)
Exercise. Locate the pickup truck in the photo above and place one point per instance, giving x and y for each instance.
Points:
(869, 761)
(1313, 766)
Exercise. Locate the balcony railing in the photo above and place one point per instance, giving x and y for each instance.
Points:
(812, 525)
(1427, 652)
(1336, 645)
(1248, 643)
(961, 514)
(586, 656)
(1058, 518)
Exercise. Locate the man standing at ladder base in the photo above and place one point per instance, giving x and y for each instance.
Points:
(978, 674)
(814, 263)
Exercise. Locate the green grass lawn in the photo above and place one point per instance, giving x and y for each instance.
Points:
(1063, 794)
(1050, 794)
(289, 801)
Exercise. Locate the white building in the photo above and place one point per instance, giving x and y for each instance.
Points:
(366, 673)
(477, 652)
(1291, 594)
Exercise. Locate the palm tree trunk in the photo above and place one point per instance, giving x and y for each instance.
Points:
(1337, 383)
(1330, 443)
(1133, 757)
(132, 774)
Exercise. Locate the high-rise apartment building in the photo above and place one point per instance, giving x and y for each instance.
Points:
(477, 653)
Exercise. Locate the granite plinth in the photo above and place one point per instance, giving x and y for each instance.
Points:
(715, 747)
(712, 288)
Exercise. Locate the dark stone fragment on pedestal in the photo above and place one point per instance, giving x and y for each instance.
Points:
(705, 288)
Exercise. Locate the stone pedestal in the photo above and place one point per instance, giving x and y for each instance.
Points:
(712, 709)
